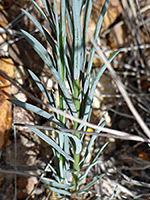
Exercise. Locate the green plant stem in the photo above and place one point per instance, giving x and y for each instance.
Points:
(76, 156)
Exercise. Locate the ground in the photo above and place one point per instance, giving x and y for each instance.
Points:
(125, 163)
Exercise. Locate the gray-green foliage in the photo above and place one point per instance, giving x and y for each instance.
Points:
(67, 63)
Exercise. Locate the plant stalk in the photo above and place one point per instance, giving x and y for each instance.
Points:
(76, 156)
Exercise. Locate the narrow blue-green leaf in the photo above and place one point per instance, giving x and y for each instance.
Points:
(41, 11)
(87, 12)
(67, 149)
(61, 170)
(41, 29)
(69, 68)
(63, 18)
(77, 38)
(68, 175)
(62, 43)
(38, 47)
(35, 22)
(56, 176)
(61, 138)
(68, 73)
(86, 172)
(82, 138)
(93, 76)
(50, 142)
(56, 184)
(100, 19)
(99, 152)
(102, 124)
(88, 149)
(54, 102)
(47, 6)
(58, 39)
(56, 21)
(99, 74)
(67, 145)
(76, 140)
(91, 93)
(59, 164)
(70, 25)
(80, 5)
(49, 10)
(41, 87)
(90, 184)
(97, 30)
(36, 110)
(86, 84)
(58, 191)
(69, 53)
(62, 40)
(91, 143)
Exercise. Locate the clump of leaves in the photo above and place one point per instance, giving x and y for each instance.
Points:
(67, 63)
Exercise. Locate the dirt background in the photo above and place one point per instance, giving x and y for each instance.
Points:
(23, 157)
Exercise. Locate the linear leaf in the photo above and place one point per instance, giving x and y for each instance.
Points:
(87, 12)
(41, 29)
(88, 149)
(91, 143)
(86, 172)
(68, 75)
(97, 30)
(90, 184)
(45, 17)
(94, 83)
(76, 140)
(55, 174)
(62, 40)
(41, 87)
(50, 142)
(99, 152)
(69, 21)
(55, 102)
(99, 74)
(77, 39)
(59, 191)
(36, 110)
(56, 21)
(42, 13)
(49, 10)
(38, 47)
(56, 184)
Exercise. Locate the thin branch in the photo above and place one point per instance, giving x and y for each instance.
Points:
(145, 27)
(114, 133)
(122, 89)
